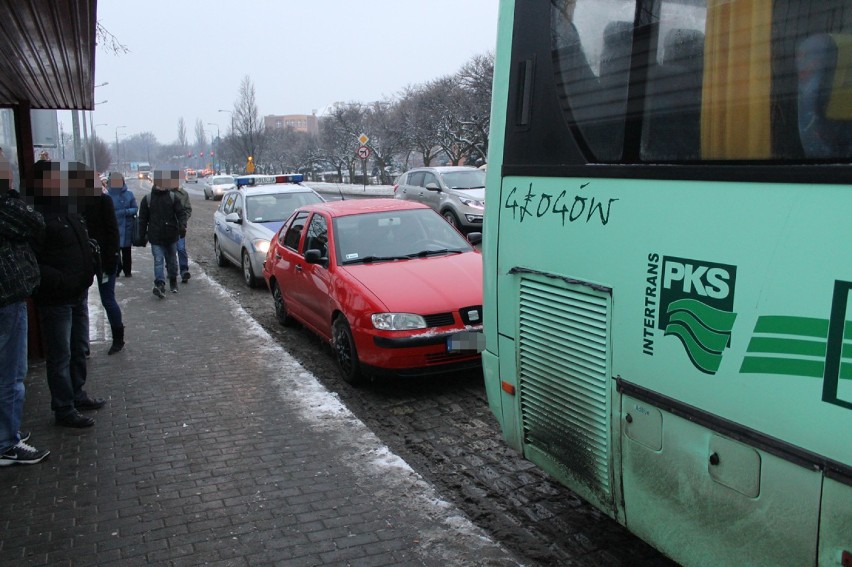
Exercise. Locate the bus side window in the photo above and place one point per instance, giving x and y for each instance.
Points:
(672, 128)
(823, 63)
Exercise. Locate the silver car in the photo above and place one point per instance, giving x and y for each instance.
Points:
(247, 219)
(217, 185)
(456, 192)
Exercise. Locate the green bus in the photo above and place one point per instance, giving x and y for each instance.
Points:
(668, 267)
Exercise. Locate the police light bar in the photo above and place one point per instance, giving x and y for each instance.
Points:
(255, 180)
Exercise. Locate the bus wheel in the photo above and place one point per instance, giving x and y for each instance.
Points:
(344, 350)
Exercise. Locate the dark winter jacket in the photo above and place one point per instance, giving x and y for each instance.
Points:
(181, 193)
(124, 203)
(162, 217)
(102, 226)
(64, 254)
(20, 224)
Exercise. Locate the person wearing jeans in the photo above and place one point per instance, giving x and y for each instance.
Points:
(183, 257)
(162, 218)
(102, 225)
(67, 267)
(19, 275)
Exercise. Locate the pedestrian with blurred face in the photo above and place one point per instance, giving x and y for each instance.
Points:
(67, 269)
(183, 257)
(101, 223)
(163, 221)
(126, 209)
(19, 276)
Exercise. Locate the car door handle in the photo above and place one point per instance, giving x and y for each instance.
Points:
(298, 267)
(277, 256)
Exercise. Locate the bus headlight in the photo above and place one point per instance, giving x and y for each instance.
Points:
(398, 321)
(261, 245)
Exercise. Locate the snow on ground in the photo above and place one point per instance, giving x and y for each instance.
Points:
(350, 189)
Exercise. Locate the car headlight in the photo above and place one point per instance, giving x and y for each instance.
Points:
(398, 321)
(472, 203)
(261, 245)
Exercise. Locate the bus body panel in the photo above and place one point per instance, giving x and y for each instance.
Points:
(764, 509)
(724, 377)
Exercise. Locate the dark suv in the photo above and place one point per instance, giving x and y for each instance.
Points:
(456, 192)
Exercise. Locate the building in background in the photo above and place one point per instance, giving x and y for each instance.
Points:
(299, 122)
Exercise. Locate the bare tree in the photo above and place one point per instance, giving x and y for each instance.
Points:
(339, 131)
(103, 157)
(386, 132)
(200, 135)
(246, 138)
(181, 139)
(108, 41)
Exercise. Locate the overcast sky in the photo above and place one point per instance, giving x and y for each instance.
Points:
(187, 57)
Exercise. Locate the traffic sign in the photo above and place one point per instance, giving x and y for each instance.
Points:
(250, 166)
(363, 139)
(363, 152)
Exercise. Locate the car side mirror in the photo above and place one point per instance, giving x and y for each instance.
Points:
(432, 187)
(234, 218)
(314, 256)
(474, 238)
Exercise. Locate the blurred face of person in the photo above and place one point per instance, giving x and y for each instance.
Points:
(116, 180)
(5, 174)
(167, 180)
(52, 183)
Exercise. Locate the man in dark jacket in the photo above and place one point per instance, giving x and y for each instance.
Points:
(183, 257)
(163, 220)
(67, 269)
(19, 224)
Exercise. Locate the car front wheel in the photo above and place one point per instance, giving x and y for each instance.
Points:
(280, 308)
(343, 344)
(206, 196)
(451, 218)
(248, 273)
(217, 251)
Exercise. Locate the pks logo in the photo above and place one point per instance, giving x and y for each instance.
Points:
(697, 306)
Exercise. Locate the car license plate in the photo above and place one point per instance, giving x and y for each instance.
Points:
(466, 341)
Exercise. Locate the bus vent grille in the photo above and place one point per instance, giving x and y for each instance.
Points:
(563, 377)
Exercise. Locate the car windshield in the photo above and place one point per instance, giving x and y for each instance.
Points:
(472, 179)
(224, 180)
(277, 207)
(395, 235)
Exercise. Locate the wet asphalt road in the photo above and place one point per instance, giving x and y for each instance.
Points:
(444, 429)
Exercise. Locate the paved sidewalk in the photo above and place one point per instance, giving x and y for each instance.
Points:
(216, 447)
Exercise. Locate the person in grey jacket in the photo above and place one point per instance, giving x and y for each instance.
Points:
(183, 257)
(19, 277)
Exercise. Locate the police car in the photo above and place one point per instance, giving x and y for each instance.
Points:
(251, 214)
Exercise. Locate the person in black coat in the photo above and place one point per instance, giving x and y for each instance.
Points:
(102, 225)
(67, 268)
(163, 220)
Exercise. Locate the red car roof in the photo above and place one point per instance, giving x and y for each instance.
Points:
(361, 206)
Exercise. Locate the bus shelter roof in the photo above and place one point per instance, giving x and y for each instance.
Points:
(47, 53)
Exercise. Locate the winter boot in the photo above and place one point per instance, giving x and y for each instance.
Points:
(160, 289)
(173, 285)
(117, 339)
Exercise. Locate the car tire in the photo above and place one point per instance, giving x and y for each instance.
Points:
(343, 344)
(248, 272)
(206, 196)
(281, 312)
(451, 218)
(221, 261)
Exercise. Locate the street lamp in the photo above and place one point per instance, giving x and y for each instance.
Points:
(218, 157)
(117, 160)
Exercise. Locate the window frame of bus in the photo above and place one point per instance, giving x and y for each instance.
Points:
(540, 142)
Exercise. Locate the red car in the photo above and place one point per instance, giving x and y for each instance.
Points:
(392, 286)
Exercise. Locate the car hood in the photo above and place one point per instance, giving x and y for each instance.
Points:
(424, 285)
(478, 194)
(266, 229)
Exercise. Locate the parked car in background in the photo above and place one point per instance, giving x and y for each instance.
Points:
(456, 192)
(393, 288)
(247, 219)
(216, 186)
